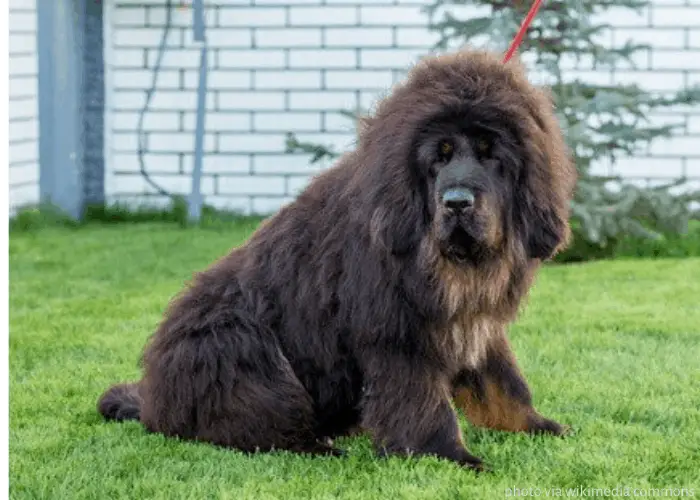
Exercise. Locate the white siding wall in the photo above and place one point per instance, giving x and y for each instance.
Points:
(279, 66)
(23, 105)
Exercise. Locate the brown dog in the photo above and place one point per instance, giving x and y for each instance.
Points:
(381, 296)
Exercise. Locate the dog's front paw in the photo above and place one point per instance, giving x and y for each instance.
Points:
(469, 461)
(537, 424)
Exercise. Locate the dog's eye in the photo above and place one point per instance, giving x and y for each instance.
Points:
(445, 150)
(483, 146)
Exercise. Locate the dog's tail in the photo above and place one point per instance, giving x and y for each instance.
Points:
(121, 402)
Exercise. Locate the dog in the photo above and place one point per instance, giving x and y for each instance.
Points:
(380, 297)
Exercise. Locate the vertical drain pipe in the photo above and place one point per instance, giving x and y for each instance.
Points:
(194, 206)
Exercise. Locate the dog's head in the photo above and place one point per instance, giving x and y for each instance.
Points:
(468, 152)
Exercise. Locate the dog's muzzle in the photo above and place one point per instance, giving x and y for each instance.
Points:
(458, 184)
(458, 199)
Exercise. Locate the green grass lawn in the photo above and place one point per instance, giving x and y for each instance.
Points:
(612, 348)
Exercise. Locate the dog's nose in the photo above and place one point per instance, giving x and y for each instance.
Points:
(458, 198)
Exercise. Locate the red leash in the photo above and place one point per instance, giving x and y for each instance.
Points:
(521, 32)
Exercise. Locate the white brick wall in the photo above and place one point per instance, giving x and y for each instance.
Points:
(23, 105)
(291, 66)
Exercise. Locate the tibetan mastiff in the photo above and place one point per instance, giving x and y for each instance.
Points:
(380, 298)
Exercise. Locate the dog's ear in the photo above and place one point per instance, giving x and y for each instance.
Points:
(546, 233)
(543, 205)
(398, 220)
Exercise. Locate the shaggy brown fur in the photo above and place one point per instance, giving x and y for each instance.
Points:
(380, 297)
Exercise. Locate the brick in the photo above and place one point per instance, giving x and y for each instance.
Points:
(225, 38)
(323, 16)
(128, 99)
(282, 3)
(287, 122)
(677, 59)
(251, 100)
(369, 99)
(19, 109)
(335, 141)
(21, 5)
(155, 163)
(128, 16)
(594, 77)
(389, 58)
(162, 121)
(655, 38)
(676, 146)
(132, 79)
(687, 187)
(222, 164)
(175, 59)
(692, 168)
(252, 185)
(326, 59)
(638, 61)
(144, 37)
(258, 58)
(128, 58)
(394, 15)
(358, 37)
(220, 122)
(140, 2)
(221, 79)
(651, 80)
(22, 195)
(296, 184)
(24, 43)
(23, 65)
(251, 143)
(127, 142)
(24, 174)
(250, 17)
(337, 122)
(287, 164)
(23, 130)
(164, 100)
(23, 87)
(461, 11)
(177, 142)
(359, 2)
(20, 152)
(570, 62)
(661, 118)
(131, 184)
(676, 16)
(288, 37)
(694, 124)
(694, 39)
(648, 167)
(22, 22)
(269, 205)
(322, 100)
(181, 18)
(415, 37)
(600, 167)
(358, 79)
(288, 79)
(622, 17)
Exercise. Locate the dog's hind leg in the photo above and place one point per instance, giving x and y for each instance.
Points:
(497, 396)
(229, 388)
